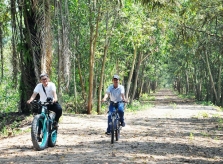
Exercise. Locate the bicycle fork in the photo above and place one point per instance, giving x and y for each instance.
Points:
(114, 118)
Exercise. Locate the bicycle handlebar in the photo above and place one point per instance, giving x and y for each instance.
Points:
(114, 102)
(39, 102)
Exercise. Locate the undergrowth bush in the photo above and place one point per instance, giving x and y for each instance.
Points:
(137, 105)
(146, 97)
(72, 105)
(9, 96)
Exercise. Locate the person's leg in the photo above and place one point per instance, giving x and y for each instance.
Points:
(121, 109)
(57, 109)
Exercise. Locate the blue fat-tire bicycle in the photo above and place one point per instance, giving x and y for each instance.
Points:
(115, 124)
(43, 131)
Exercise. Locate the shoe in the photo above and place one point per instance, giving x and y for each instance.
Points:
(123, 124)
(39, 139)
(55, 124)
(108, 133)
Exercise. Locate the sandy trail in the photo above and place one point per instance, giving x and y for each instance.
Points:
(173, 131)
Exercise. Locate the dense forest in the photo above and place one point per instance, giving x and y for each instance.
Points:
(150, 43)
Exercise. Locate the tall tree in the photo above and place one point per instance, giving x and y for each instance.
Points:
(37, 44)
(94, 8)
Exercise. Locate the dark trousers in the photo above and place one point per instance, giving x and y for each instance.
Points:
(57, 109)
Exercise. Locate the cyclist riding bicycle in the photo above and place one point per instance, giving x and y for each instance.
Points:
(116, 92)
(47, 89)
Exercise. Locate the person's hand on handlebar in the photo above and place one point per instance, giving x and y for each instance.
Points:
(28, 101)
(55, 100)
(125, 100)
(103, 100)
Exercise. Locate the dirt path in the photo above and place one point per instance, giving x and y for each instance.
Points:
(174, 131)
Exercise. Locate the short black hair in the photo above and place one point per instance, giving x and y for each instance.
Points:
(43, 74)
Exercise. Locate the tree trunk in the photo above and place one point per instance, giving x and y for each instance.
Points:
(1, 53)
(93, 40)
(141, 81)
(37, 47)
(219, 83)
(131, 72)
(29, 69)
(136, 76)
(75, 85)
(106, 45)
(211, 78)
(81, 78)
(102, 77)
(187, 83)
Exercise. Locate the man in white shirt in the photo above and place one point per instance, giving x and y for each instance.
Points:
(47, 89)
(116, 92)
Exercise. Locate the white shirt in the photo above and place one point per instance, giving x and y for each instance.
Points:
(115, 93)
(50, 88)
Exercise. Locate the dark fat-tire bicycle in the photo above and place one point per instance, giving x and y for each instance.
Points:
(43, 132)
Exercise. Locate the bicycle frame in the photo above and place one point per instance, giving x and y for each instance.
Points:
(45, 121)
(115, 122)
(115, 116)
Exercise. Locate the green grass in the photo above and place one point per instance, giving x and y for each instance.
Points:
(202, 115)
(205, 134)
(137, 106)
(191, 137)
(188, 96)
(146, 97)
(174, 105)
(205, 103)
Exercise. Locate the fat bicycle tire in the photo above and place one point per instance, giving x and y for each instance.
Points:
(37, 122)
(112, 130)
(117, 130)
(53, 132)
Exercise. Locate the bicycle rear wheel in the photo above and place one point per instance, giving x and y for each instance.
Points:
(112, 130)
(53, 132)
(39, 127)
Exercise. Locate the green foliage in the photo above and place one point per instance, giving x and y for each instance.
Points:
(137, 106)
(187, 96)
(202, 115)
(173, 40)
(10, 123)
(205, 103)
(205, 115)
(9, 96)
(71, 104)
(4, 132)
(220, 123)
(174, 105)
(191, 137)
(104, 108)
(146, 97)
(205, 134)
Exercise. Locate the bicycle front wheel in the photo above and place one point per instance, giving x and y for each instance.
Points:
(117, 130)
(112, 130)
(39, 128)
